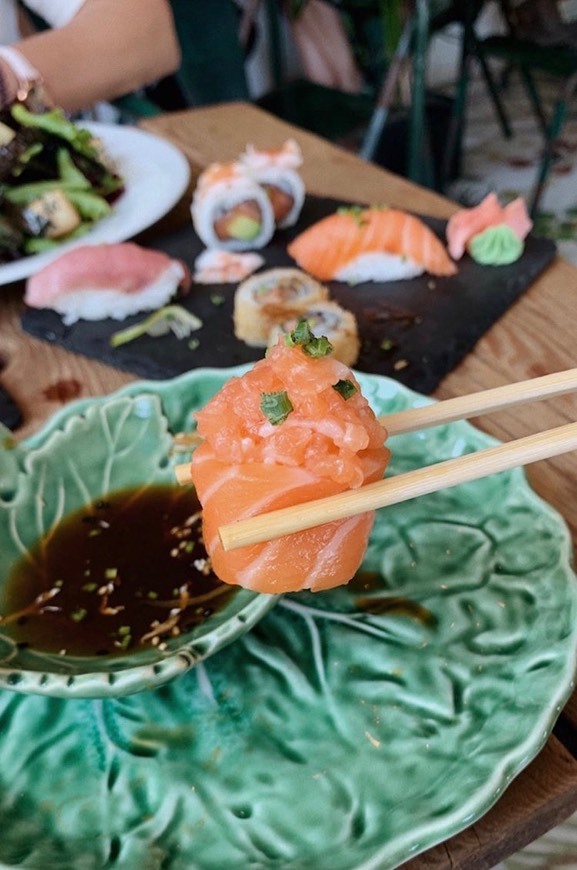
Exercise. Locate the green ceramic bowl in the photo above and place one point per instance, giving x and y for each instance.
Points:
(89, 449)
(349, 729)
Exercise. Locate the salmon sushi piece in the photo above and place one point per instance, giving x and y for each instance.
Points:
(93, 282)
(294, 428)
(370, 244)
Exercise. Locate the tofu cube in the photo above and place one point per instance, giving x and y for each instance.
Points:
(6, 134)
(54, 213)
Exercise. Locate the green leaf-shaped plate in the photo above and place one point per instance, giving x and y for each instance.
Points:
(347, 729)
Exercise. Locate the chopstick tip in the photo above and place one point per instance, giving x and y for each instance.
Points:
(183, 473)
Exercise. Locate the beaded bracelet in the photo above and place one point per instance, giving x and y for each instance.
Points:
(30, 86)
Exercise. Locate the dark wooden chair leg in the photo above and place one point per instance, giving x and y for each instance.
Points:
(420, 167)
(493, 91)
(553, 132)
(534, 98)
(386, 95)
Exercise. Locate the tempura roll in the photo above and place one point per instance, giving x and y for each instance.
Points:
(268, 297)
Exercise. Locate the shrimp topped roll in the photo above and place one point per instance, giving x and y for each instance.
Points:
(230, 210)
(276, 170)
(293, 428)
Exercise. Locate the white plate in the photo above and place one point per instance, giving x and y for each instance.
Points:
(156, 175)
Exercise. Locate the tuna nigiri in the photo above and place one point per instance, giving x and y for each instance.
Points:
(295, 427)
(370, 244)
(92, 282)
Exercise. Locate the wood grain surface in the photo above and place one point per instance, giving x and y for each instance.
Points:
(536, 336)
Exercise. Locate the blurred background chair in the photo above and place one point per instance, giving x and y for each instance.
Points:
(392, 119)
(538, 40)
(397, 122)
(389, 39)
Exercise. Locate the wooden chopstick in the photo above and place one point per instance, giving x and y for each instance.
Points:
(403, 487)
(482, 402)
(447, 411)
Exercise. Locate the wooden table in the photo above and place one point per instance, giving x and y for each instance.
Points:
(536, 336)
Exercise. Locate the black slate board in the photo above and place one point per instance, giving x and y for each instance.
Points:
(428, 324)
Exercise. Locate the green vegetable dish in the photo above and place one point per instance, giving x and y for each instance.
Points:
(55, 181)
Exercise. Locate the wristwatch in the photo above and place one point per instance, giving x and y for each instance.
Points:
(30, 88)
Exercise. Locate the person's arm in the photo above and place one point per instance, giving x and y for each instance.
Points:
(109, 48)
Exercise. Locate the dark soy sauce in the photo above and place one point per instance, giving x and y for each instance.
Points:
(367, 585)
(123, 573)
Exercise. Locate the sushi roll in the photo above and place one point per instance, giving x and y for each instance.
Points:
(276, 170)
(332, 321)
(230, 210)
(93, 282)
(268, 297)
(370, 244)
(293, 428)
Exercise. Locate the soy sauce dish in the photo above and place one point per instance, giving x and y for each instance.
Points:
(105, 588)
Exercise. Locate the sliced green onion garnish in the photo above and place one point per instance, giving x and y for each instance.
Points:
(79, 614)
(387, 344)
(173, 318)
(356, 212)
(345, 388)
(303, 335)
(320, 346)
(276, 406)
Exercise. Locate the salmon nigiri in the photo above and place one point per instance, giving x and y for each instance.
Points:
(370, 244)
(294, 428)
